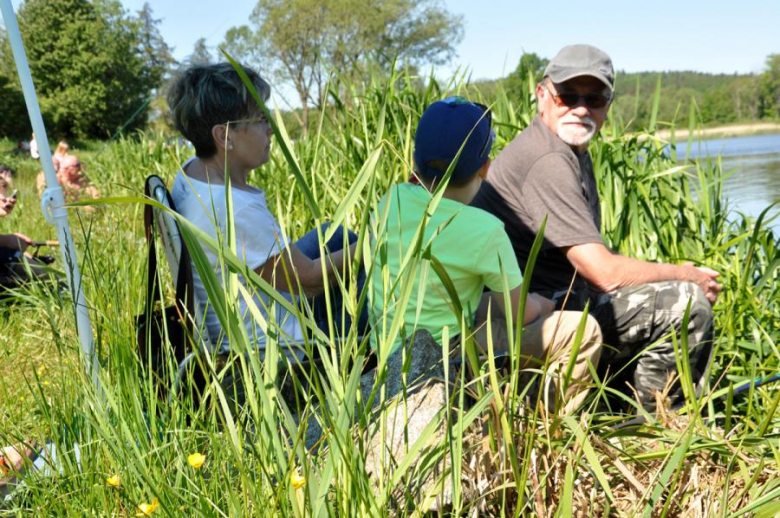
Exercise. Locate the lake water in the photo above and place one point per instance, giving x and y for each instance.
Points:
(755, 166)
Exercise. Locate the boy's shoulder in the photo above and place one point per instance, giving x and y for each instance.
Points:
(407, 196)
(476, 224)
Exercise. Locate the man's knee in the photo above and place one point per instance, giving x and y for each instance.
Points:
(592, 339)
(568, 327)
(572, 320)
(592, 331)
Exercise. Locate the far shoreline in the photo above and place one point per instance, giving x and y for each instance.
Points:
(731, 130)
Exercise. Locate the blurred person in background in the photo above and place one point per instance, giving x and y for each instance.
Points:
(63, 149)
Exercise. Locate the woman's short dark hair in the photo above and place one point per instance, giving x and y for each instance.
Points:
(204, 96)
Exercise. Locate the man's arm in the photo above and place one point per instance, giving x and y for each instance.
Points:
(15, 241)
(607, 271)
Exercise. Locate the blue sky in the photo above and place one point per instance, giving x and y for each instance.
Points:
(710, 36)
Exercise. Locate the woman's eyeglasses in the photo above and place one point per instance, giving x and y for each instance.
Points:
(260, 119)
(591, 100)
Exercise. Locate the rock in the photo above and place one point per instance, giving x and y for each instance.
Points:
(407, 413)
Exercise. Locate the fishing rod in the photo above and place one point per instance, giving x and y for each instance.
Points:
(755, 383)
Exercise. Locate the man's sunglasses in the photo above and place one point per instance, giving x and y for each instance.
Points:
(486, 114)
(591, 100)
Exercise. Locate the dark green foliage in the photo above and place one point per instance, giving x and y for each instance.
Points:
(529, 71)
(13, 120)
(94, 66)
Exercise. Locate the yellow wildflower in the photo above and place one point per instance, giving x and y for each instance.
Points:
(196, 460)
(297, 480)
(113, 481)
(148, 509)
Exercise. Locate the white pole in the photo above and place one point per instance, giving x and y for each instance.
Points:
(53, 202)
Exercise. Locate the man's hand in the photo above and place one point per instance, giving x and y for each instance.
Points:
(705, 278)
(546, 306)
(22, 241)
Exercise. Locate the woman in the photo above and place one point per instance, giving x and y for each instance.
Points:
(63, 149)
(213, 109)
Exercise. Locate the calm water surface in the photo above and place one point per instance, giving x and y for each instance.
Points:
(754, 164)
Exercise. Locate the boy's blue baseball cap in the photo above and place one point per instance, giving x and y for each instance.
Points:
(444, 127)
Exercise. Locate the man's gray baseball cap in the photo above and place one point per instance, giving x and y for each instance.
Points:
(581, 60)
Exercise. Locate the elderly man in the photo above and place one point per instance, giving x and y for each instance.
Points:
(546, 171)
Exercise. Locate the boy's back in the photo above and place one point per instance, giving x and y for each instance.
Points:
(471, 245)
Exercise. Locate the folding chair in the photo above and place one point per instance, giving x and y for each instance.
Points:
(179, 263)
(178, 259)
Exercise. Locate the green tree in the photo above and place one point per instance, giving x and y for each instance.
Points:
(200, 54)
(93, 65)
(718, 106)
(302, 41)
(745, 95)
(529, 71)
(769, 88)
(155, 51)
(13, 121)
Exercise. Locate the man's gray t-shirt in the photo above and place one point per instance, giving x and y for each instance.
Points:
(538, 175)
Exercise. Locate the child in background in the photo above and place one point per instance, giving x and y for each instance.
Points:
(473, 249)
(63, 149)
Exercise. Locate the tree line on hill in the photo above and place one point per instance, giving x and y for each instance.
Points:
(99, 70)
(716, 98)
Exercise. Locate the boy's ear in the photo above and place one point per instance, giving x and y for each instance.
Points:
(483, 171)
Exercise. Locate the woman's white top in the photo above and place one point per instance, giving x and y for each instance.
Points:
(258, 238)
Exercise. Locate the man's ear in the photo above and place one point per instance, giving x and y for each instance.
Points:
(540, 90)
(222, 136)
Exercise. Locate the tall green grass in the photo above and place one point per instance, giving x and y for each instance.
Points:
(653, 207)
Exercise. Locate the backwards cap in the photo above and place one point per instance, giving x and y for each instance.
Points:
(442, 131)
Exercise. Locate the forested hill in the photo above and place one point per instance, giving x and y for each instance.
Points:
(719, 98)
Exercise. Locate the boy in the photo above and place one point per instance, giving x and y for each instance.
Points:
(473, 249)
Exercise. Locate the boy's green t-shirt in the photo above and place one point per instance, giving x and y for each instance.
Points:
(471, 245)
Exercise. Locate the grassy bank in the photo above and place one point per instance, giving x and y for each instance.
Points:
(724, 131)
(718, 456)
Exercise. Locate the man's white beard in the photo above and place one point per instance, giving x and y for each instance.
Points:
(576, 135)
